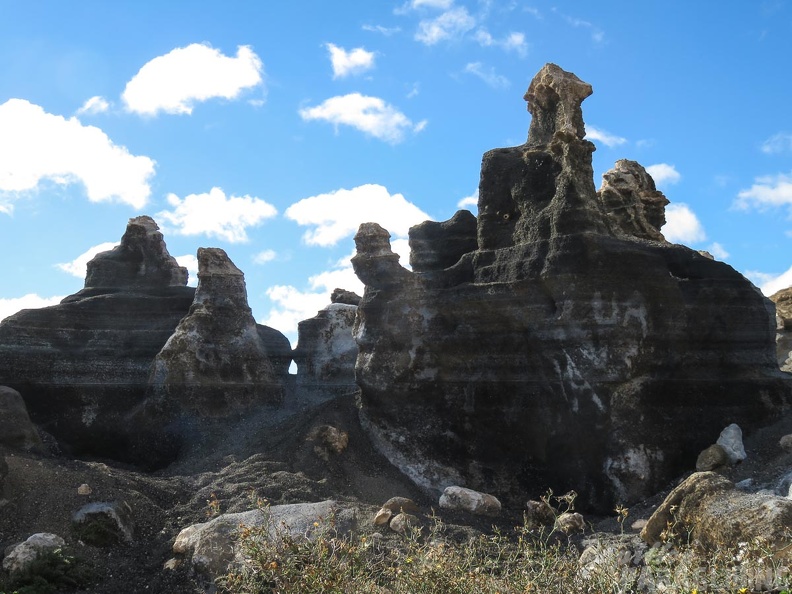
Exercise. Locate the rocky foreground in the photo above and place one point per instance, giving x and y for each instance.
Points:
(556, 342)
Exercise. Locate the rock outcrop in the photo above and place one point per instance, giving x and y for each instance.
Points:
(572, 347)
(783, 303)
(217, 363)
(83, 365)
(326, 350)
(16, 430)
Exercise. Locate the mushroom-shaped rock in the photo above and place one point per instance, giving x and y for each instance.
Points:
(554, 98)
(375, 263)
(631, 200)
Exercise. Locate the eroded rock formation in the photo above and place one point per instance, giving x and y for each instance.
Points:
(217, 362)
(572, 348)
(783, 303)
(82, 365)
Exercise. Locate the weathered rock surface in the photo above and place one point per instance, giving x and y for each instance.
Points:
(83, 365)
(16, 430)
(216, 364)
(436, 246)
(730, 439)
(212, 546)
(25, 553)
(711, 511)
(103, 523)
(573, 348)
(783, 303)
(326, 350)
(468, 500)
(711, 458)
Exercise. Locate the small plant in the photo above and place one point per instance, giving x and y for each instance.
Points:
(621, 515)
(52, 571)
(212, 506)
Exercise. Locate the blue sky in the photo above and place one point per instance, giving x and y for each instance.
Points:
(272, 129)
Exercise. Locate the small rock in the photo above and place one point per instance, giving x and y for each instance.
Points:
(745, 484)
(103, 524)
(25, 553)
(383, 517)
(475, 502)
(402, 522)
(401, 504)
(538, 513)
(638, 524)
(786, 443)
(731, 441)
(713, 457)
(329, 440)
(84, 489)
(172, 564)
(570, 522)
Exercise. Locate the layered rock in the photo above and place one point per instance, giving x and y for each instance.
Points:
(573, 348)
(83, 365)
(217, 362)
(326, 349)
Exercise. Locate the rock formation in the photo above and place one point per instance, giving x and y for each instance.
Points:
(783, 303)
(217, 363)
(83, 365)
(326, 350)
(571, 347)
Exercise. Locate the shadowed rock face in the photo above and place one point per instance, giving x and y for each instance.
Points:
(573, 348)
(83, 365)
(217, 363)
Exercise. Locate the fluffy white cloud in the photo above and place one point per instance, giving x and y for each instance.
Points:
(174, 82)
(190, 262)
(663, 173)
(488, 75)
(767, 192)
(346, 63)
(215, 215)
(682, 225)
(338, 214)
(36, 145)
(370, 115)
(264, 257)
(770, 283)
(717, 250)
(451, 24)
(78, 266)
(606, 138)
(95, 104)
(469, 201)
(30, 301)
(778, 143)
(512, 42)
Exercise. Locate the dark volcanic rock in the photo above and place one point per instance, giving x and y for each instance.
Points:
(573, 349)
(344, 296)
(16, 430)
(216, 364)
(83, 365)
(435, 246)
(326, 351)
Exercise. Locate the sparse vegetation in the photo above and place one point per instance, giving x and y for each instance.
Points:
(53, 571)
(522, 561)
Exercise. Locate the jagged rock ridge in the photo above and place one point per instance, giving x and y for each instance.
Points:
(573, 347)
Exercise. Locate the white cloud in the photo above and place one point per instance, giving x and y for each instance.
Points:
(488, 75)
(597, 34)
(190, 262)
(770, 283)
(663, 173)
(264, 257)
(338, 214)
(778, 143)
(438, 4)
(451, 24)
(606, 138)
(215, 215)
(717, 250)
(95, 104)
(512, 42)
(682, 225)
(386, 31)
(78, 266)
(469, 201)
(174, 82)
(36, 145)
(346, 63)
(370, 115)
(767, 192)
(30, 301)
